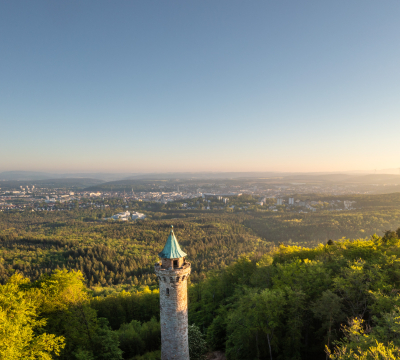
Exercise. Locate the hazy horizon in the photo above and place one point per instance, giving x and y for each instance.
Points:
(228, 86)
(218, 174)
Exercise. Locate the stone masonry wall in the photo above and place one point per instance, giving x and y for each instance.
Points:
(174, 312)
(167, 263)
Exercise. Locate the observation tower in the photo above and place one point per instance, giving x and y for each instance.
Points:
(172, 273)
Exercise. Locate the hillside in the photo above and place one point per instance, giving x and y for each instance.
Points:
(292, 303)
(71, 183)
(295, 302)
(121, 254)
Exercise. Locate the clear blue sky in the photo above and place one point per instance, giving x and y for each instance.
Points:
(143, 86)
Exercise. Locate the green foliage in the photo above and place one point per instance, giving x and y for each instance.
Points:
(105, 342)
(291, 303)
(116, 254)
(252, 300)
(121, 255)
(310, 229)
(20, 326)
(216, 333)
(136, 338)
(328, 309)
(197, 344)
(363, 343)
(52, 317)
(123, 307)
(130, 340)
(64, 302)
(255, 320)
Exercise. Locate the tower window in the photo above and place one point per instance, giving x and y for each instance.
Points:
(167, 291)
(175, 263)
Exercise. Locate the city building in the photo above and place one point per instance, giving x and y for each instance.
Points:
(121, 216)
(172, 273)
(215, 195)
(138, 216)
(348, 203)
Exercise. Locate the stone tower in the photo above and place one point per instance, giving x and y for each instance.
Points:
(172, 272)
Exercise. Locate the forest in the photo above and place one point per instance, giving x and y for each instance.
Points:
(264, 285)
(340, 300)
(115, 253)
(121, 255)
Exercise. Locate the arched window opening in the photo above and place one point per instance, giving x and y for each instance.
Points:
(167, 291)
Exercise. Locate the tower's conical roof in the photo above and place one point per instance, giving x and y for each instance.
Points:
(171, 250)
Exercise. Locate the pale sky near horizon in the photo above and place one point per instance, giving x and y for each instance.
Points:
(145, 86)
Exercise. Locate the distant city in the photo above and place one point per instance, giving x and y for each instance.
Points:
(266, 194)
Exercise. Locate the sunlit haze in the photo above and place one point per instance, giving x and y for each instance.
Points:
(178, 86)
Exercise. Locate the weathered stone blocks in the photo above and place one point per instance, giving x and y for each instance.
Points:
(174, 311)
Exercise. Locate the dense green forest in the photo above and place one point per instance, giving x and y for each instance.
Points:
(314, 228)
(340, 300)
(264, 285)
(118, 254)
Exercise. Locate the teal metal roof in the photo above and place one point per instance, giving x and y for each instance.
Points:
(171, 250)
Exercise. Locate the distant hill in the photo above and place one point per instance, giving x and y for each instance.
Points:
(375, 179)
(137, 185)
(25, 175)
(367, 179)
(318, 177)
(79, 183)
(266, 176)
(204, 175)
(35, 175)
